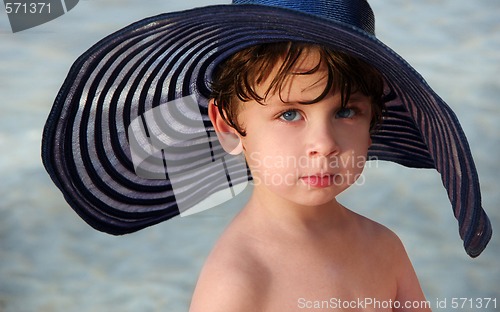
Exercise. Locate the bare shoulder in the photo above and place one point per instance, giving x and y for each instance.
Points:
(393, 252)
(232, 278)
(379, 236)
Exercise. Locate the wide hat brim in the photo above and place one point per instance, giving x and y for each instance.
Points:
(86, 141)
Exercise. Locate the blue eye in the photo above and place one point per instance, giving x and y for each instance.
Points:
(345, 113)
(290, 115)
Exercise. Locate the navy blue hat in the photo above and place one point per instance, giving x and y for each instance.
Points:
(129, 142)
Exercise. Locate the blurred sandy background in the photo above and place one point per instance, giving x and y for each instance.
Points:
(50, 260)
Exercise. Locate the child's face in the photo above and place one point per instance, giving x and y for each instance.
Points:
(306, 154)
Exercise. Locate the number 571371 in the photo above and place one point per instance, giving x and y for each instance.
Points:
(27, 8)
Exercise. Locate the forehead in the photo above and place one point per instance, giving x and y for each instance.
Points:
(304, 81)
(309, 58)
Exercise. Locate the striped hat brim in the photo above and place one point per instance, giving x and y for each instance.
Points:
(99, 125)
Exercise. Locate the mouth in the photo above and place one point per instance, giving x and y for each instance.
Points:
(319, 180)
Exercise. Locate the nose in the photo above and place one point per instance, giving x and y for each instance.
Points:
(322, 140)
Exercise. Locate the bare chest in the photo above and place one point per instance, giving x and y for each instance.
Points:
(325, 281)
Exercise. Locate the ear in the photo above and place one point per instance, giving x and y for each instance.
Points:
(228, 137)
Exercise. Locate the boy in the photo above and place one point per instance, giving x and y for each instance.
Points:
(306, 91)
(293, 242)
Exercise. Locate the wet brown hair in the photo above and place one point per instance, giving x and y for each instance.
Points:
(236, 78)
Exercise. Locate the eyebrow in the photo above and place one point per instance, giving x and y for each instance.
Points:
(279, 103)
(358, 97)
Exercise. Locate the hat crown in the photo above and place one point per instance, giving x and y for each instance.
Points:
(357, 13)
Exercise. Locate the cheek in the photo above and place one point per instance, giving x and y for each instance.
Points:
(357, 139)
(269, 139)
(270, 159)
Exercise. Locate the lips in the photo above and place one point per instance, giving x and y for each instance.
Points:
(319, 181)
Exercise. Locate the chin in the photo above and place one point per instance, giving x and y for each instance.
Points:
(315, 199)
